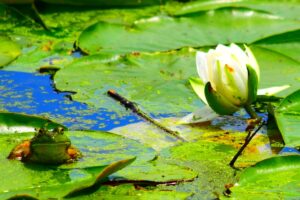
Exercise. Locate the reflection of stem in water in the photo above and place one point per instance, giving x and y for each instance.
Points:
(134, 108)
(249, 137)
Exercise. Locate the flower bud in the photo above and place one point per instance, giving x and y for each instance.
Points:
(230, 76)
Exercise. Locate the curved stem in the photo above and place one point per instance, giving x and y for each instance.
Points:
(251, 111)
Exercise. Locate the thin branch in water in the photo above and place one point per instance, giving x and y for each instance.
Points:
(247, 141)
(134, 108)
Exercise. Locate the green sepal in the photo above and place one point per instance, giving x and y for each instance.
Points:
(218, 102)
(252, 85)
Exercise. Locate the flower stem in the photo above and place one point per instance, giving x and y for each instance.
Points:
(251, 111)
(249, 137)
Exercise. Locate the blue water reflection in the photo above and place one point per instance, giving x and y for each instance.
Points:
(33, 94)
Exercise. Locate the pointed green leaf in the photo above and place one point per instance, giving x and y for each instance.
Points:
(273, 178)
(217, 102)
(252, 85)
(110, 169)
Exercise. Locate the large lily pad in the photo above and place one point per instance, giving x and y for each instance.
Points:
(288, 119)
(287, 8)
(42, 182)
(128, 191)
(274, 66)
(165, 33)
(272, 178)
(148, 79)
(9, 50)
(107, 3)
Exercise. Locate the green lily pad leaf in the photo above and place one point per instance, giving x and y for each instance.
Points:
(61, 183)
(157, 171)
(274, 66)
(104, 147)
(128, 191)
(209, 28)
(104, 3)
(288, 119)
(9, 50)
(270, 179)
(286, 9)
(287, 49)
(147, 79)
(19, 123)
(110, 169)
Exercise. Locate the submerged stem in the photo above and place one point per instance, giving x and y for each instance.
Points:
(249, 137)
(251, 111)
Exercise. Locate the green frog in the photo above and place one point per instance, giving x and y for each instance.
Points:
(46, 147)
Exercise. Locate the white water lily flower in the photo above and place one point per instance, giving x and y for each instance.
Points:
(230, 75)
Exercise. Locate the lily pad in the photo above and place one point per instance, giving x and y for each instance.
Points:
(9, 50)
(19, 123)
(158, 33)
(287, 9)
(272, 178)
(128, 191)
(103, 3)
(158, 171)
(288, 119)
(274, 66)
(44, 182)
(147, 79)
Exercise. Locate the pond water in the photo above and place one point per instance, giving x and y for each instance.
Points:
(33, 93)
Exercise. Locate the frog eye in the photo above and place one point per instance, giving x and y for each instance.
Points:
(60, 130)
